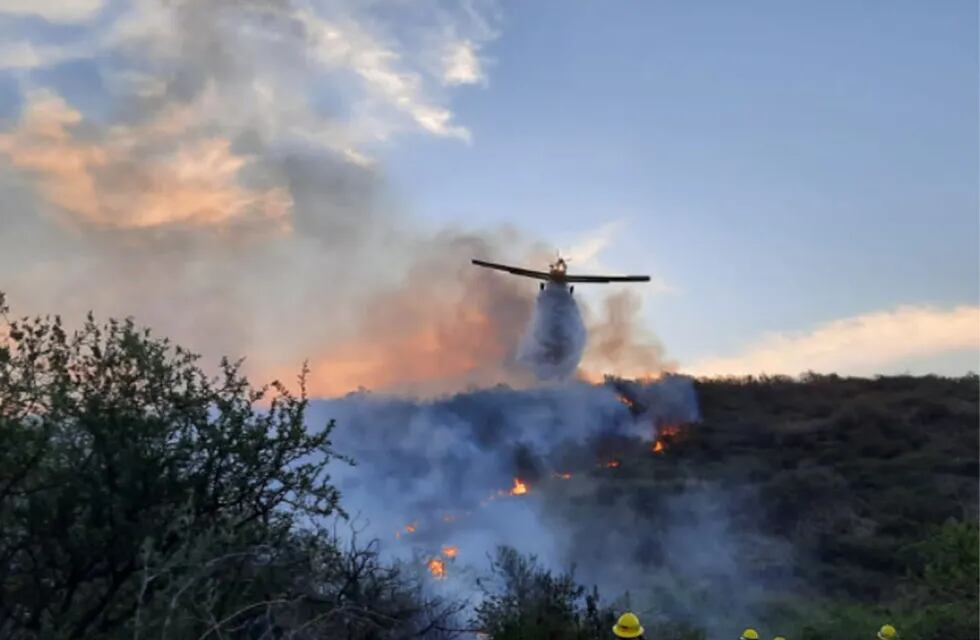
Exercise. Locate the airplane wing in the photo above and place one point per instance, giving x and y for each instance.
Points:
(517, 271)
(607, 279)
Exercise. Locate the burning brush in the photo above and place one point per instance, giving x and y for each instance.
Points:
(665, 435)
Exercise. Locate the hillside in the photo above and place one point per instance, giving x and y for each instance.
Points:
(825, 489)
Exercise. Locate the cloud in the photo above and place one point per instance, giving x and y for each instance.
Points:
(333, 45)
(22, 54)
(249, 53)
(60, 11)
(135, 176)
(461, 64)
(860, 345)
(586, 251)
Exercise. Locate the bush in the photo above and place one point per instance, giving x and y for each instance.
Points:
(139, 497)
(523, 601)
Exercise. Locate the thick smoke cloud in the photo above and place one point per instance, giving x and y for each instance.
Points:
(453, 461)
(442, 474)
(555, 339)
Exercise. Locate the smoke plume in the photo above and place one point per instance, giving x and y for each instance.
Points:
(564, 472)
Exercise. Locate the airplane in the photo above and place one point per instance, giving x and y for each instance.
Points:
(558, 273)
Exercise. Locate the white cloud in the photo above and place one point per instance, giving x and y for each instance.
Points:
(19, 55)
(381, 68)
(861, 345)
(461, 64)
(586, 254)
(62, 11)
(23, 54)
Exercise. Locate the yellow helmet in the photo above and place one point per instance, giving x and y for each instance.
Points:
(628, 626)
(887, 632)
(749, 634)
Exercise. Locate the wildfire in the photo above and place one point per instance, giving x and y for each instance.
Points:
(437, 568)
(410, 528)
(563, 476)
(519, 488)
(664, 435)
(629, 403)
(450, 552)
(612, 464)
(669, 430)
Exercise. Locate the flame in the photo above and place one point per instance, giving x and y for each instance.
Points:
(410, 528)
(667, 431)
(519, 488)
(563, 476)
(437, 568)
(612, 464)
(450, 551)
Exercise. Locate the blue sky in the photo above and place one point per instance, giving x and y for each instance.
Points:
(779, 165)
(801, 179)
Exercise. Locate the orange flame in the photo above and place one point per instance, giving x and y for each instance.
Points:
(450, 552)
(410, 528)
(629, 403)
(437, 568)
(519, 488)
(667, 431)
(612, 464)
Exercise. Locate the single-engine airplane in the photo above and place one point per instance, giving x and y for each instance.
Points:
(557, 273)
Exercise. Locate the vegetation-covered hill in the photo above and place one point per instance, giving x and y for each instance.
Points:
(847, 498)
(850, 471)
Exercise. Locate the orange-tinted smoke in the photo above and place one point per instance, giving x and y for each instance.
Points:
(619, 344)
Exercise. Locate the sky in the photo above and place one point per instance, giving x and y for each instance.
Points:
(800, 181)
(779, 167)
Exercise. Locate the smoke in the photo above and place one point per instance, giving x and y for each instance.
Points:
(618, 343)
(436, 474)
(418, 462)
(220, 180)
(553, 344)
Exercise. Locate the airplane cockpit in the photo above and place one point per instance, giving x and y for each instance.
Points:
(558, 268)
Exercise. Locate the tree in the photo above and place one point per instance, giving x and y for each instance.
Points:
(523, 601)
(140, 497)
